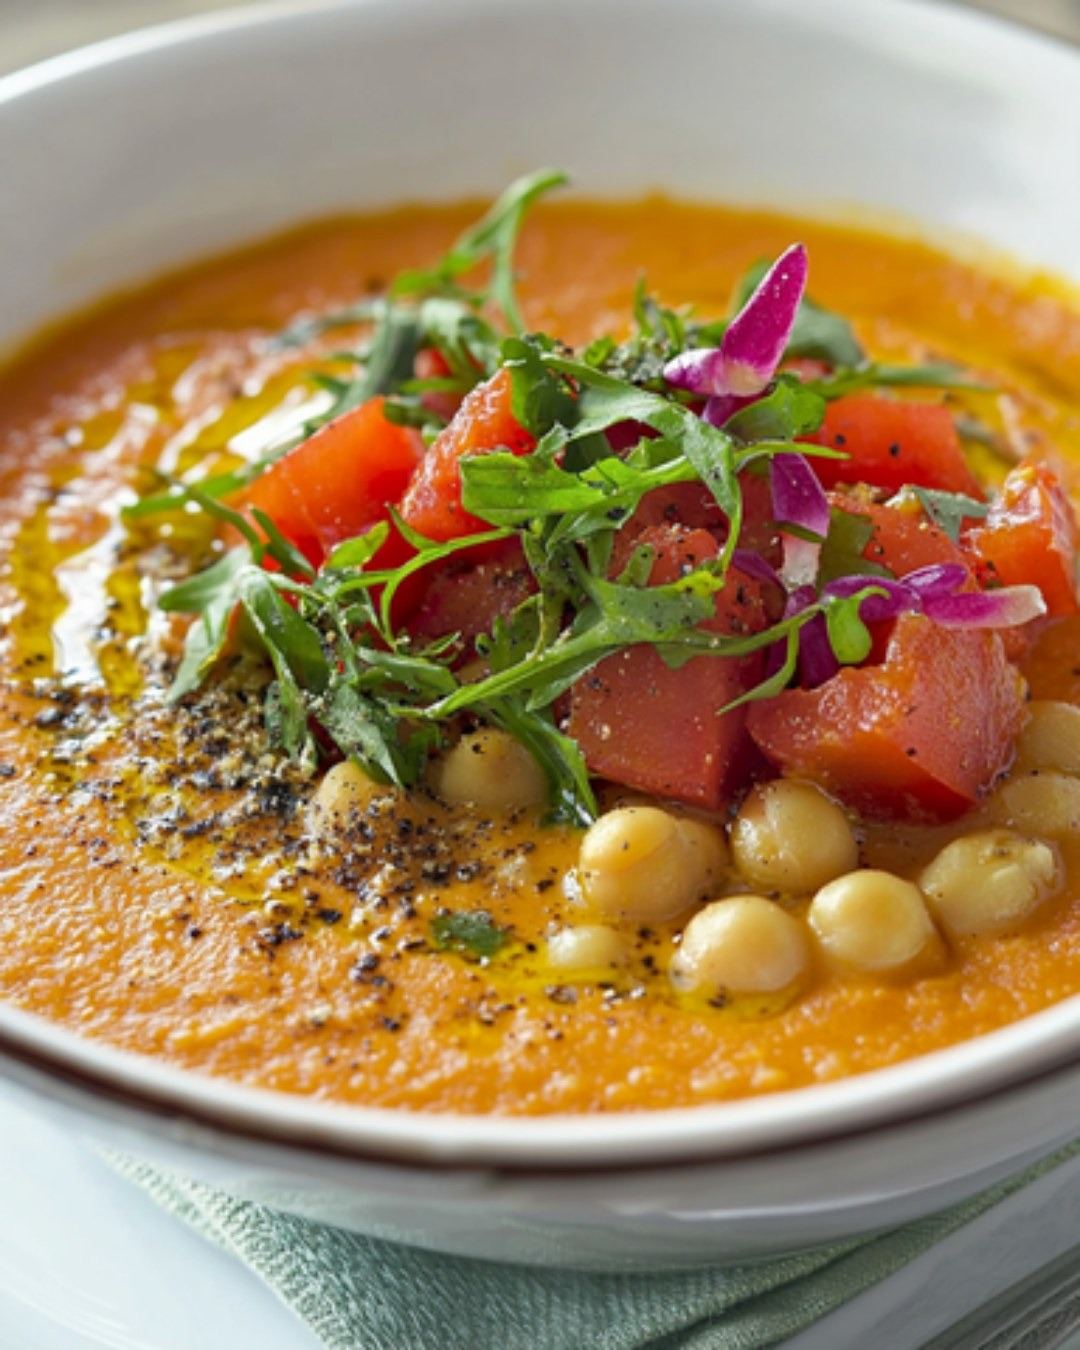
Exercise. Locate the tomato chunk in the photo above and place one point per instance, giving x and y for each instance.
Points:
(921, 736)
(1030, 536)
(694, 505)
(903, 537)
(648, 727)
(485, 422)
(467, 597)
(892, 442)
(339, 482)
(430, 364)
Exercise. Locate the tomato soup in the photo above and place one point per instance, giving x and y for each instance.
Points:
(231, 880)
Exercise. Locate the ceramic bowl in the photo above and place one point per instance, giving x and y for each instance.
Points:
(156, 149)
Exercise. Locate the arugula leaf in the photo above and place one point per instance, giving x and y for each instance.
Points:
(879, 375)
(472, 932)
(514, 490)
(388, 361)
(844, 546)
(570, 793)
(363, 729)
(539, 400)
(359, 551)
(789, 410)
(604, 401)
(212, 595)
(949, 510)
(307, 329)
(292, 644)
(492, 238)
(469, 343)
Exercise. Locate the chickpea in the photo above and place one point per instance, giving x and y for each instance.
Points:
(988, 881)
(642, 862)
(743, 944)
(491, 770)
(707, 851)
(1051, 738)
(790, 836)
(589, 946)
(871, 920)
(1041, 804)
(345, 792)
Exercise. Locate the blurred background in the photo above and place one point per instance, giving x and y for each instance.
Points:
(33, 29)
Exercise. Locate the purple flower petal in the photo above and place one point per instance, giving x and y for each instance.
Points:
(1006, 608)
(755, 339)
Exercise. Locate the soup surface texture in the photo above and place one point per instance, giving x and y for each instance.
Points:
(175, 883)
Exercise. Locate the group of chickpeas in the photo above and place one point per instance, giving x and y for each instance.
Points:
(789, 842)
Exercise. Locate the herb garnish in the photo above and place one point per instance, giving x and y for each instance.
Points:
(341, 664)
(472, 932)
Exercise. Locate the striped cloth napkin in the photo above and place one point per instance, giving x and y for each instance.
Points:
(359, 1293)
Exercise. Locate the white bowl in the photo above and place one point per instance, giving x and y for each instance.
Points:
(152, 150)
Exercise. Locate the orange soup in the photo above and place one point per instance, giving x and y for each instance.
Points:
(740, 753)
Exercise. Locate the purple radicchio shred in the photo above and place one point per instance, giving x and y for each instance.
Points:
(887, 600)
(799, 499)
(817, 660)
(752, 564)
(937, 579)
(752, 346)
(797, 496)
(754, 343)
(1006, 608)
(936, 592)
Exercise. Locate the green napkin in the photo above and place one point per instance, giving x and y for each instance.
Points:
(358, 1292)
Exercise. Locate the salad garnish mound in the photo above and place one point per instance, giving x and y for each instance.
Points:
(676, 560)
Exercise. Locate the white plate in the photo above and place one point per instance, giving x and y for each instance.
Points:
(89, 1263)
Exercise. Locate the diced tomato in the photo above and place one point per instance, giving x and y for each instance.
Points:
(430, 364)
(485, 422)
(904, 538)
(693, 505)
(467, 597)
(921, 736)
(1030, 536)
(892, 442)
(651, 728)
(339, 482)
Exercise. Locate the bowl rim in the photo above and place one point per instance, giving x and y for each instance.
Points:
(1036, 1047)
(163, 33)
